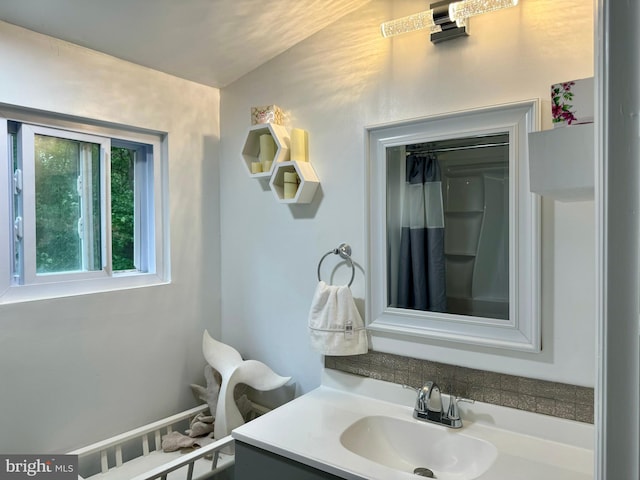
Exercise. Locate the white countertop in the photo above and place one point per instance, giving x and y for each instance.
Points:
(530, 446)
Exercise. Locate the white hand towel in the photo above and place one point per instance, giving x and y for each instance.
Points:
(335, 325)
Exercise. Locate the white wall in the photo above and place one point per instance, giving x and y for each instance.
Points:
(76, 370)
(345, 78)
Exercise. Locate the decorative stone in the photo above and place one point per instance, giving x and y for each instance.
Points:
(210, 393)
(267, 114)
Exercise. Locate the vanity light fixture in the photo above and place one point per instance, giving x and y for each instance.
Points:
(445, 20)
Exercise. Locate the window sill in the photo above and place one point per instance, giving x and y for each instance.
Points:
(28, 293)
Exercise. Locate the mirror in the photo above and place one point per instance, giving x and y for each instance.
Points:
(449, 198)
(454, 230)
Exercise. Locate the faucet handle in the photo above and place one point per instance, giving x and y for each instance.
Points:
(416, 390)
(452, 418)
(452, 412)
(410, 387)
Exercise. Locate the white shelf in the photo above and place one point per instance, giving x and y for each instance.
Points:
(561, 162)
(251, 148)
(281, 163)
(308, 182)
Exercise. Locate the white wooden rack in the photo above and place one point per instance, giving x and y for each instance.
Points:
(199, 464)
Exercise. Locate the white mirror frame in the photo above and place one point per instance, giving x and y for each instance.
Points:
(522, 330)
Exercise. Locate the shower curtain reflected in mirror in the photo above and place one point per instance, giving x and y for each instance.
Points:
(448, 226)
(421, 281)
(487, 226)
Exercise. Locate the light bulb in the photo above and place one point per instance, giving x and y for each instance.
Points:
(458, 12)
(410, 23)
(469, 8)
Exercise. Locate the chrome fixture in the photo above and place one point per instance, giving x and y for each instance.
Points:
(344, 251)
(445, 20)
(429, 406)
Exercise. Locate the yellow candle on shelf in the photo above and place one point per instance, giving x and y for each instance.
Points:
(266, 166)
(256, 167)
(290, 190)
(291, 181)
(290, 177)
(267, 148)
(299, 145)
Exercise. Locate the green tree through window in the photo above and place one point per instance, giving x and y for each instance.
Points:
(59, 210)
(122, 208)
(67, 176)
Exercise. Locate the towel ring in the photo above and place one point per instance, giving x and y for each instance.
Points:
(344, 251)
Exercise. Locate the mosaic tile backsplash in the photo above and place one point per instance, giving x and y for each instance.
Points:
(549, 398)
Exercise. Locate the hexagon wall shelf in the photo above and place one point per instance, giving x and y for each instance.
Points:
(251, 148)
(308, 182)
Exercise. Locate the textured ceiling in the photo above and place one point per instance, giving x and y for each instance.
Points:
(213, 42)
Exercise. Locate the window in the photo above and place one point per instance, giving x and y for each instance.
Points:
(84, 209)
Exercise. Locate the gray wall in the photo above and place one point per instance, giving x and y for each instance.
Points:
(345, 78)
(79, 369)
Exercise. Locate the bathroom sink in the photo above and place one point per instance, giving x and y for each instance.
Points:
(422, 448)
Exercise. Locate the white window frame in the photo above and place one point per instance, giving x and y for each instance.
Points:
(143, 201)
(26, 142)
(152, 268)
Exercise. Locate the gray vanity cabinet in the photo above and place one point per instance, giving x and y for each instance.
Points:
(253, 463)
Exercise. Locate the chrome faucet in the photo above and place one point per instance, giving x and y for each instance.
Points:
(429, 406)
